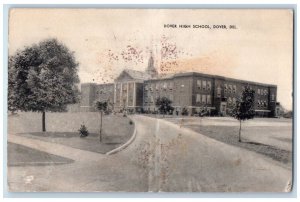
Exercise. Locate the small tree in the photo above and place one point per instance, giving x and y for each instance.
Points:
(101, 106)
(244, 107)
(42, 77)
(164, 105)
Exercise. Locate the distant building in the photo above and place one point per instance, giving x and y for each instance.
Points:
(136, 91)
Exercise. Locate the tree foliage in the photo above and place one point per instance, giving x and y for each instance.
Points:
(42, 77)
(164, 105)
(244, 108)
(101, 105)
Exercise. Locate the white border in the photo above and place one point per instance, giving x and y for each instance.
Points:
(111, 2)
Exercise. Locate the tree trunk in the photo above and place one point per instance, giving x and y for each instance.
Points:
(240, 130)
(100, 126)
(44, 121)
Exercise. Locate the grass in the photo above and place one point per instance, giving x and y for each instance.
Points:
(229, 135)
(269, 137)
(19, 155)
(62, 128)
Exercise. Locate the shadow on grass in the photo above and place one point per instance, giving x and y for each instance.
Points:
(19, 155)
(275, 153)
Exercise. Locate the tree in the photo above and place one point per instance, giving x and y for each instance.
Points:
(164, 105)
(42, 77)
(244, 107)
(102, 106)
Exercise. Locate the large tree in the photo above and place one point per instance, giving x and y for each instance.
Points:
(42, 77)
(244, 107)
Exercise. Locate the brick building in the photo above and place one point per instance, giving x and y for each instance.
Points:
(192, 92)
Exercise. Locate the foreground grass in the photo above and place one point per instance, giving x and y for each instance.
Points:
(62, 128)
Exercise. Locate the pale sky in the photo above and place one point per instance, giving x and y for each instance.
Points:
(260, 49)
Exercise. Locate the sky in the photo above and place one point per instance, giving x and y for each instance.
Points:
(105, 41)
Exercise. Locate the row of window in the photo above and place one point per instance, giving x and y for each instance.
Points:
(262, 103)
(228, 88)
(157, 86)
(203, 84)
(262, 91)
(231, 101)
(203, 98)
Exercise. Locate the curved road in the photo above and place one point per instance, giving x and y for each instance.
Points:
(163, 157)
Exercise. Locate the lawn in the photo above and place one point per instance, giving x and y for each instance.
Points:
(62, 128)
(269, 137)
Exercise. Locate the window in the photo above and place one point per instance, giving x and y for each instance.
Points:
(258, 103)
(265, 92)
(165, 86)
(171, 85)
(234, 101)
(273, 97)
(229, 101)
(208, 85)
(234, 88)
(198, 98)
(204, 85)
(157, 86)
(203, 99)
(225, 88)
(151, 99)
(146, 87)
(171, 97)
(219, 91)
(258, 91)
(199, 84)
(151, 87)
(208, 98)
(230, 88)
(265, 104)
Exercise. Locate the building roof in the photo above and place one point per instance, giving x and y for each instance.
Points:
(139, 75)
(182, 74)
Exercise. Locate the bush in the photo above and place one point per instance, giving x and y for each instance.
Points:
(184, 112)
(83, 131)
(130, 122)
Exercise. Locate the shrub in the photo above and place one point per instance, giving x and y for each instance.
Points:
(184, 112)
(83, 131)
(130, 122)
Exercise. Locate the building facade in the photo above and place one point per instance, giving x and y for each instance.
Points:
(192, 92)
